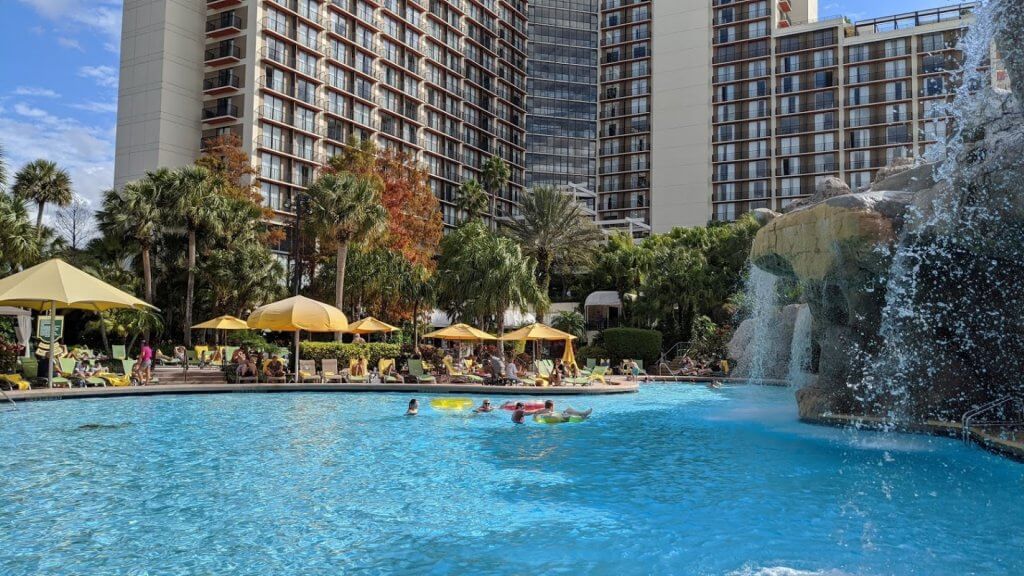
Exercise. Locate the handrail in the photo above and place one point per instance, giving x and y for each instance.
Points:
(8, 398)
(665, 355)
(972, 414)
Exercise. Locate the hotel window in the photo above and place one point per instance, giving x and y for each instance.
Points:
(757, 29)
(790, 83)
(824, 79)
(895, 47)
(790, 64)
(725, 73)
(790, 187)
(757, 109)
(858, 159)
(271, 167)
(305, 119)
(859, 74)
(933, 42)
(725, 212)
(825, 121)
(896, 113)
(789, 166)
(726, 191)
(859, 180)
(823, 58)
(897, 134)
(757, 68)
(859, 53)
(273, 108)
(273, 197)
(934, 86)
(789, 145)
(273, 137)
(789, 104)
(757, 129)
(896, 90)
(757, 149)
(895, 68)
(824, 142)
(860, 117)
(857, 96)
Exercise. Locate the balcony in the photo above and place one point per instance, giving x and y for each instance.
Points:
(221, 84)
(220, 113)
(899, 140)
(223, 53)
(218, 4)
(226, 24)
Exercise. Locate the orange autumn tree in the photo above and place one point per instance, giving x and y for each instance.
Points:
(224, 155)
(414, 216)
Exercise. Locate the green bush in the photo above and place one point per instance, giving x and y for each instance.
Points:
(372, 351)
(633, 343)
(592, 352)
(9, 352)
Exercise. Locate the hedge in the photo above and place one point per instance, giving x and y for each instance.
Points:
(373, 351)
(593, 352)
(635, 343)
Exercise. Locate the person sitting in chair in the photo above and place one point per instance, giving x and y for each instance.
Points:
(275, 367)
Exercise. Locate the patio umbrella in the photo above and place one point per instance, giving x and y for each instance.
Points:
(370, 325)
(537, 333)
(226, 322)
(460, 332)
(56, 284)
(296, 314)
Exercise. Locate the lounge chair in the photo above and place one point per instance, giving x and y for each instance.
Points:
(598, 374)
(117, 352)
(329, 371)
(353, 364)
(386, 368)
(67, 370)
(30, 371)
(457, 376)
(416, 371)
(229, 351)
(307, 372)
(15, 382)
(591, 363)
(113, 379)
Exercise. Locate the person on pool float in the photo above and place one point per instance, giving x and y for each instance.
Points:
(484, 407)
(549, 412)
(414, 408)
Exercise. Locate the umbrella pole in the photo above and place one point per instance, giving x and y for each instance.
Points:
(49, 367)
(297, 356)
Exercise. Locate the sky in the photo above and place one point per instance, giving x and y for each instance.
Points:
(58, 99)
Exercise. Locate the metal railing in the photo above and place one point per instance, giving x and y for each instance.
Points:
(971, 417)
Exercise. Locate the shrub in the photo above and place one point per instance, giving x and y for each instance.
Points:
(708, 340)
(634, 343)
(593, 352)
(9, 357)
(372, 351)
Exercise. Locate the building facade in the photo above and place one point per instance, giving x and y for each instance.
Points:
(798, 99)
(561, 117)
(442, 79)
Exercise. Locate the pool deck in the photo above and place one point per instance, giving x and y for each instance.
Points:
(613, 387)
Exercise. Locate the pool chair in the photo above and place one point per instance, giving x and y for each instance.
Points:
(117, 352)
(457, 376)
(543, 372)
(307, 372)
(30, 371)
(14, 382)
(115, 379)
(282, 379)
(417, 372)
(329, 371)
(598, 374)
(355, 364)
(67, 370)
(591, 363)
(386, 369)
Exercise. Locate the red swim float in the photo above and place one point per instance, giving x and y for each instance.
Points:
(511, 406)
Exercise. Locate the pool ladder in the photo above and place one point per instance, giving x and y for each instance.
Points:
(8, 398)
(971, 416)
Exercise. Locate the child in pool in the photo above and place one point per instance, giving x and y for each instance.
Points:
(414, 408)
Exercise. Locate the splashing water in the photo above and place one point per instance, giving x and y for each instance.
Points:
(953, 297)
(800, 349)
(762, 292)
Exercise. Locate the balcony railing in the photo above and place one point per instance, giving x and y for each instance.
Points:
(222, 81)
(222, 51)
(224, 21)
(220, 111)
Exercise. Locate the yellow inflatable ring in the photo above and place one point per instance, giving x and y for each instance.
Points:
(451, 403)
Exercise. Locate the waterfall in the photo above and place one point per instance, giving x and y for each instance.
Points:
(953, 294)
(761, 293)
(800, 349)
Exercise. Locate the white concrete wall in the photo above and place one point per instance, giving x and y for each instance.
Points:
(681, 114)
(159, 111)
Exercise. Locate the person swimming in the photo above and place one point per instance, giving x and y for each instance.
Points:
(550, 413)
(714, 384)
(414, 408)
(484, 407)
(520, 412)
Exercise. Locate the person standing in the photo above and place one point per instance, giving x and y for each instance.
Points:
(146, 362)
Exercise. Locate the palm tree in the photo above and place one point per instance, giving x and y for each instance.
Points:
(18, 237)
(572, 322)
(343, 209)
(42, 182)
(494, 176)
(3, 170)
(553, 228)
(194, 201)
(472, 200)
(134, 212)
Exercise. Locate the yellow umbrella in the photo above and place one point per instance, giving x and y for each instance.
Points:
(370, 325)
(460, 332)
(296, 314)
(56, 284)
(226, 322)
(538, 332)
(569, 356)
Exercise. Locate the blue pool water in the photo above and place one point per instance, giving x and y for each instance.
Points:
(674, 480)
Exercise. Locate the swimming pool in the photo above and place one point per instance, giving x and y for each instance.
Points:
(676, 479)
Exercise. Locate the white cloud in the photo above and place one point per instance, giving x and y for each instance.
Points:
(101, 107)
(101, 15)
(85, 151)
(34, 91)
(103, 75)
(70, 43)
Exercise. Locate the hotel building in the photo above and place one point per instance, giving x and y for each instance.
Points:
(294, 79)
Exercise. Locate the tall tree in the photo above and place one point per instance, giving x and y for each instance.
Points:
(19, 241)
(472, 200)
(342, 209)
(42, 182)
(494, 176)
(75, 223)
(553, 228)
(194, 201)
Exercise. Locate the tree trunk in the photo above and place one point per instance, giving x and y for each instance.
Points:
(544, 265)
(339, 281)
(416, 325)
(103, 334)
(190, 286)
(39, 219)
(147, 275)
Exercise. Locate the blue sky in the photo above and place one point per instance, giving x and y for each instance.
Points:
(58, 99)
